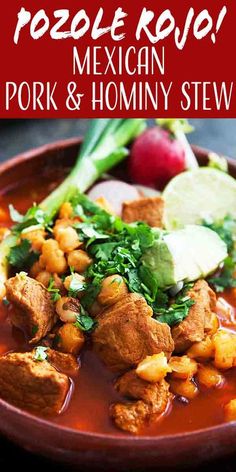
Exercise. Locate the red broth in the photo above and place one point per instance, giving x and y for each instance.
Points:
(93, 392)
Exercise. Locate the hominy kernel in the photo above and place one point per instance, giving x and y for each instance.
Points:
(113, 288)
(66, 210)
(71, 339)
(230, 410)
(153, 368)
(182, 367)
(53, 257)
(79, 260)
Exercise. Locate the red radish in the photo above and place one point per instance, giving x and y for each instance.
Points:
(156, 157)
(115, 192)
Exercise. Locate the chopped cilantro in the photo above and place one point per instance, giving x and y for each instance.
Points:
(34, 217)
(226, 278)
(178, 310)
(35, 330)
(89, 233)
(55, 292)
(92, 290)
(5, 301)
(84, 321)
(22, 274)
(116, 248)
(78, 211)
(40, 353)
(76, 286)
(226, 229)
(57, 339)
(22, 256)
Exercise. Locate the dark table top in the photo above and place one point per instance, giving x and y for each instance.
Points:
(17, 136)
(20, 135)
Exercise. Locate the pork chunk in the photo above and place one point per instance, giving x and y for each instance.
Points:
(193, 327)
(149, 210)
(63, 362)
(155, 395)
(34, 311)
(151, 400)
(126, 333)
(131, 416)
(31, 384)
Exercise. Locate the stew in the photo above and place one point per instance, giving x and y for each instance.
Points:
(90, 392)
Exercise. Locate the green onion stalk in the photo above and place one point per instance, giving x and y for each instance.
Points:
(104, 146)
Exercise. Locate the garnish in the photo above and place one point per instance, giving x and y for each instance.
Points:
(226, 278)
(120, 253)
(103, 147)
(34, 330)
(22, 256)
(5, 301)
(77, 285)
(53, 290)
(226, 229)
(35, 217)
(89, 233)
(40, 353)
(84, 321)
(22, 274)
(178, 310)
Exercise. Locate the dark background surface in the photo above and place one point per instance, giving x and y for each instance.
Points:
(17, 136)
(20, 135)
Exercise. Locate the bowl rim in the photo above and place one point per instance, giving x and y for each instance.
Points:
(121, 439)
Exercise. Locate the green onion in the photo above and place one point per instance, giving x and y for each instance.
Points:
(103, 147)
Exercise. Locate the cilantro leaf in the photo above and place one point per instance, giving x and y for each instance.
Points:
(21, 255)
(55, 292)
(148, 280)
(5, 301)
(144, 235)
(88, 232)
(40, 353)
(226, 229)
(133, 281)
(84, 321)
(34, 330)
(103, 251)
(226, 278)
(116, 248)
(178, 310)
(35, 217)
(175, 313)
(76, 286)
(92, 290)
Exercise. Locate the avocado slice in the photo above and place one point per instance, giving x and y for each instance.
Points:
(187, 254)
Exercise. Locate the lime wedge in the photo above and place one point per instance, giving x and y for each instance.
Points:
(199, 194)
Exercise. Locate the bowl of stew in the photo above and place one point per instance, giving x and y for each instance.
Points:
(82, 427)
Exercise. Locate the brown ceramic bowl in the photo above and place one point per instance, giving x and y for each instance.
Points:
(101, 450)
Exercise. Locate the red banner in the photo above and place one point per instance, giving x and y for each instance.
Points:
(117, 58)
